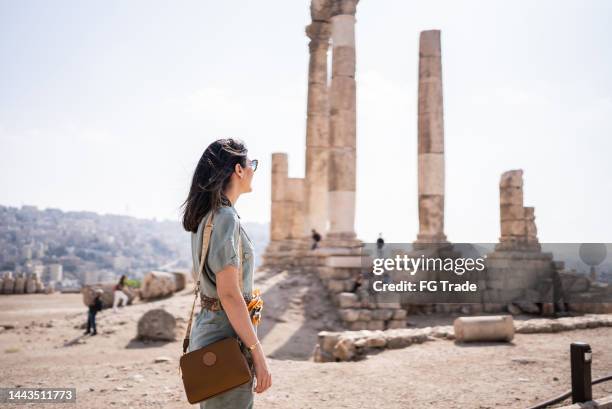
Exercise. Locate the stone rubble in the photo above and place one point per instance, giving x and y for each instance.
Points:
(355, 345)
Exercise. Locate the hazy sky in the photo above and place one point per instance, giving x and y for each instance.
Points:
(108, 105)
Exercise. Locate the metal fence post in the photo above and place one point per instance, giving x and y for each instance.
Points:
(580, 356)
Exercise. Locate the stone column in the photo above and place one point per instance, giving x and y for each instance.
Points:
(517, 223)
(317, 130)
(430, 140)
(280, 172)
(511, 210)
(294, 208)
(342, 155)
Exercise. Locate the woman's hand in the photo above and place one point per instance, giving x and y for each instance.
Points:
(262, 372)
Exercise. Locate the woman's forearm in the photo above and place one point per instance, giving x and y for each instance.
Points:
(238, 315)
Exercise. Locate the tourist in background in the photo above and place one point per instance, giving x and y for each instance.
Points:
(94, 307)
(316, 238)
(380, 243)
(119, 295)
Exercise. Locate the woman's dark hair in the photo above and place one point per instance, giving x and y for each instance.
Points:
(122, 279)
(211, 177)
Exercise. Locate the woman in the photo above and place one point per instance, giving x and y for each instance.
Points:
(223, 173)
(119, 295)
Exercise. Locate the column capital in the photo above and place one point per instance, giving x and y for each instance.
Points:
(318, 32)
(343, 7)
(320, 9)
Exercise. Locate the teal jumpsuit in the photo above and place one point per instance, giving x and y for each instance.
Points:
(210, 326)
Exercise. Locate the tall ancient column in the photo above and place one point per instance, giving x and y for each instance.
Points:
(343, 136)
(430, 140)
(280, 173)
(317, 122)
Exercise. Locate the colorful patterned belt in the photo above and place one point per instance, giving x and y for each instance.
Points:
(254, 304)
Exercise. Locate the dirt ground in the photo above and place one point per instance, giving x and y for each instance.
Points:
(46, 349)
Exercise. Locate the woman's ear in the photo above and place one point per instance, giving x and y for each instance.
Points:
(239, 170)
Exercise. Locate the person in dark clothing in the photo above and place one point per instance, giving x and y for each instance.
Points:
(380, 243)
(357, 283)
(95, 306)
(560, 305)
(316, 238)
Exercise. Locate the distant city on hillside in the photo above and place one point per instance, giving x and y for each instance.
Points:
(74, 248)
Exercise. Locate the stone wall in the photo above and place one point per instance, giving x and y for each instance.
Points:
(343, 276)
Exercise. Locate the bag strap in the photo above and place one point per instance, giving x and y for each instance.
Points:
(205, 240)
(240, 260)
(205, 243)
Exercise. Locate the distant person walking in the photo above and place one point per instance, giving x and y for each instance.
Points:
(119, 294)
(94, 307)
(316, 238)
(380, 244)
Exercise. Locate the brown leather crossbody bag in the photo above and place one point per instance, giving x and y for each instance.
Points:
(217, 367)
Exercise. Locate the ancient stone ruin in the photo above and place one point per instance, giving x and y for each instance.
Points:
(22, 284)
(517, 264)
(324, 200)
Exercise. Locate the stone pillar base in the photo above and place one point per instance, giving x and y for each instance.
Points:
(342, 242)
(343, 274)
(280, 254)
(518, 245)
